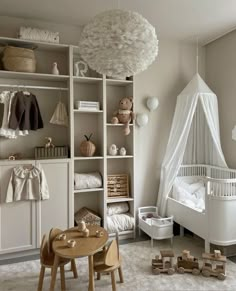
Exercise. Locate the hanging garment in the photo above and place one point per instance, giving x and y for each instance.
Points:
(60, 116)
(187, 133)
(6, 99)
(27, 183)
(25, 112)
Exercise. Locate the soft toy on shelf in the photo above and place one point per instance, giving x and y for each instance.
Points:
(125, 114)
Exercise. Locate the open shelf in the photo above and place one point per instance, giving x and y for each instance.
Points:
(118, 82)
(88, 158)
(89, 190)
(32, 43)
(113, 200)
(33, 76)
(88, 111)
(118, 124)
(120, 157)
(87, 80)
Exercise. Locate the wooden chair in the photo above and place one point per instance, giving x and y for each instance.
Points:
(47, 259)
(108, 261)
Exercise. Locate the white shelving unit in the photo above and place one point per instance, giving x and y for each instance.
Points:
(69, 88)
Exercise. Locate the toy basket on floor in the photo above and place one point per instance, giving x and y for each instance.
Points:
(89, 216)
(154, 225)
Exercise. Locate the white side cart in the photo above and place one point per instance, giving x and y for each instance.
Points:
(154, 225)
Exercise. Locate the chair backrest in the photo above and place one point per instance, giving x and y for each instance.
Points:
(44, 248)
(52, 234)
(112, 254)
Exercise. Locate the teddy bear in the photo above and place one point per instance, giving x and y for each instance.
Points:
(125, 114)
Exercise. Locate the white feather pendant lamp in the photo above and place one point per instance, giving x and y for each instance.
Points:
(118, 43)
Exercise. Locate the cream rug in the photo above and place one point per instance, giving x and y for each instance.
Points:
(136, 268)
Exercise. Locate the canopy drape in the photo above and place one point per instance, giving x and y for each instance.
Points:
(194, 136)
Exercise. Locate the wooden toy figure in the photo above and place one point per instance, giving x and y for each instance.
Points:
(163, 263)
(214, 265)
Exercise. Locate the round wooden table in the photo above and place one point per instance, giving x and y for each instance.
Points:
(85, 246)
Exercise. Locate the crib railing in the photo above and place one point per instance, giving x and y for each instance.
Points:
(221, 182)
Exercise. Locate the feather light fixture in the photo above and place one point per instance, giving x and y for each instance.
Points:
(118, 43)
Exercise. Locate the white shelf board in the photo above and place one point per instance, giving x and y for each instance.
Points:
(87, 111)
(89, 190)
(39, 44)
(88, 158)
(112, 200)
(118, 124)
(33, 76)
(114, 82)
(87, 80)
(120, 157)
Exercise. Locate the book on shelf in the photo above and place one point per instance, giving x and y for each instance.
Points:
(87, 105)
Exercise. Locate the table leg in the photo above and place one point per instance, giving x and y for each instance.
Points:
(54, 272)
(91, 273)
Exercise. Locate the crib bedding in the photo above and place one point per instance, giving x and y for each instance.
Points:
(120, 222)
(190, 190)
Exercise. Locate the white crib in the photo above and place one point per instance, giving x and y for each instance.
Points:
(217, 223)
(156, 227)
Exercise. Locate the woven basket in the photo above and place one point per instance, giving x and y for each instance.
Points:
(118, 186)
(19, 59)
(89, 216)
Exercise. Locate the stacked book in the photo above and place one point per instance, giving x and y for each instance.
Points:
(87, 105)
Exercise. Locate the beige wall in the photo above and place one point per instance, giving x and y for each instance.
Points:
(165, 79)
(221, 77)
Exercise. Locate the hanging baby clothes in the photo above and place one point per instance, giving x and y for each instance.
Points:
(25, 112)
(6, 99)
(60, 116)
(27, 183)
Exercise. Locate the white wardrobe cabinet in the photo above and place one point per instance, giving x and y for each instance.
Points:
(17, 219)
(55, 211)
(23, 223)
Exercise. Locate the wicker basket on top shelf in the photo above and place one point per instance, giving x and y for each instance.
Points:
(118, 186)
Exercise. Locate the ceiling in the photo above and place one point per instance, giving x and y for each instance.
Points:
(173, 19)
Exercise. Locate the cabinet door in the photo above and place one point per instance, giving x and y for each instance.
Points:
(17, 219)
(54, 212)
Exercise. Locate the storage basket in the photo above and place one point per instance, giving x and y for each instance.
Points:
(19, 59)
(57, 152)
(88, 216)
(118, 186)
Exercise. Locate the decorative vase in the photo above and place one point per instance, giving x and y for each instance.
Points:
(55, 70)
(113, 149)
(81, 225)
(87, 148)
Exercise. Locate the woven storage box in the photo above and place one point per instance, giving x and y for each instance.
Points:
(58, 152)
(118, 186)
(19, 59)
(90, 217)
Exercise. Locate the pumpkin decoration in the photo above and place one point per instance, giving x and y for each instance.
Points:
(87, 148)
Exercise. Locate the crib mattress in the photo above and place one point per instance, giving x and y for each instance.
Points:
(190, 191)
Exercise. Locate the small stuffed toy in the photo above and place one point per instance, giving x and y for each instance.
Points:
(125, 114)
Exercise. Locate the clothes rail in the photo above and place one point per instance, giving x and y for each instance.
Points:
(33, 87)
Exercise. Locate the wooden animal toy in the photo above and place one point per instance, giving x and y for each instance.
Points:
(187, 264)
(49, 143)
(214, 265)
(163, 263)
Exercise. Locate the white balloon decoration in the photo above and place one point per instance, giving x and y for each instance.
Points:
(142, 119)
(118, 43)
(152, 103)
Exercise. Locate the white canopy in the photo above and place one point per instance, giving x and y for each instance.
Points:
(194, 136)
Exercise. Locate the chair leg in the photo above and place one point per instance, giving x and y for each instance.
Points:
(41, 277)
(73, 268)
(63, 282)
(121, 275)
(98, 276)
(113, 280)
